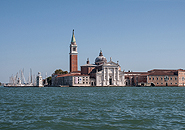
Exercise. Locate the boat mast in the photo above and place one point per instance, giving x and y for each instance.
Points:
(31, 74)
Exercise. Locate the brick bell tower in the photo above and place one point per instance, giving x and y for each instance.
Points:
(73, 55)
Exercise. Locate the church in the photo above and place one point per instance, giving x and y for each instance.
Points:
(101, 73)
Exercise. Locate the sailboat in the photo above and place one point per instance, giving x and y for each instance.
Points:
(19, 80)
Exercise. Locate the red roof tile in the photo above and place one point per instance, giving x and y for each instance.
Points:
(73, 74)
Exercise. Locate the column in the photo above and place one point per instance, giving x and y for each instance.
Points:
(114, 74)
(103, 74)
(117, 74)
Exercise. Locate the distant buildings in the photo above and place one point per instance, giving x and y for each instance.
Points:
(156, 77)
(102, 73)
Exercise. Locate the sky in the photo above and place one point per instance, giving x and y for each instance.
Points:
(140, 34)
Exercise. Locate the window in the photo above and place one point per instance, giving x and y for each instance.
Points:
(157, 78)
(83, 82)
(153, 78)
(182, 78)
(175, 78)
(86, 82)
(171, 78)
(157, 83)
(175, 83)
(161, 78)
(149, 78)
(74, 49)
(161, 83)
(166, 78)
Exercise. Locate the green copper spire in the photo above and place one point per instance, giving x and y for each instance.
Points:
(73, 37)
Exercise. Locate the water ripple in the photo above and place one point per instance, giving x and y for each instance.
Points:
(92, 108)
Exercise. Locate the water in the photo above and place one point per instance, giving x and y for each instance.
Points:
(92, 108)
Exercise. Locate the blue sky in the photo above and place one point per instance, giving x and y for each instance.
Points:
(140, 34)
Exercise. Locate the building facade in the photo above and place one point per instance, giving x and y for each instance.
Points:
(136, 79)
(104, 73)
(110, 75)
(73, 80)
(156, 77)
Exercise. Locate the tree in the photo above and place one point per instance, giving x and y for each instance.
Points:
(59, 71)
(49, 80)
(0, 83)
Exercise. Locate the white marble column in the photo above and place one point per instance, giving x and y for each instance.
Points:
(117, 74)
(114, 74)
(103, 74)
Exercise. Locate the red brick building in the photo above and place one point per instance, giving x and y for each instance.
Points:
(135, 78)
(156, 77)
(166, 77)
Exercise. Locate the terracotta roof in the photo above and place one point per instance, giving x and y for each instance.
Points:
(136, 72)
(89, 65)
(146, 74)
(65, 75)
(156, 72)
(163, 72)
(75, 72)
(181, 70)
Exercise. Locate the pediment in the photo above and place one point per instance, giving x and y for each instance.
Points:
(111, 63)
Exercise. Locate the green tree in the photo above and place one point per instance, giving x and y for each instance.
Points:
(59, 71)
(49, 80)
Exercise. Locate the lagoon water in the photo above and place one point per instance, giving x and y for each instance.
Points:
(92, 108)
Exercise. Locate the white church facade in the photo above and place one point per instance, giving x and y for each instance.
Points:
(110, 75)
(104, 73)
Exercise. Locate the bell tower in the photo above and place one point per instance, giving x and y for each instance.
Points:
(73, 54)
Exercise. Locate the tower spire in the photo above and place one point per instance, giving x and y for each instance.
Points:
(73, 40)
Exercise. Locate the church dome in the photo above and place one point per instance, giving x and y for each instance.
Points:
(100, 59)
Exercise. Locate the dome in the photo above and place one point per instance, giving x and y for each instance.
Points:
(100, 59)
